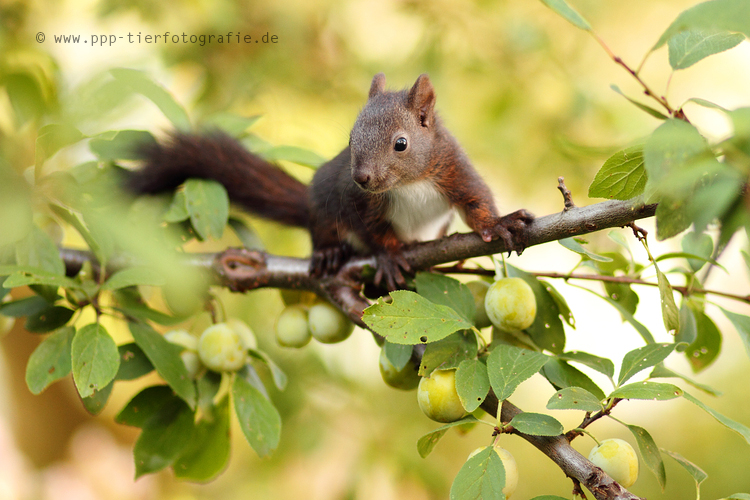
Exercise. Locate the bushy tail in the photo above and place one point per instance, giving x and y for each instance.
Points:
(252, 182)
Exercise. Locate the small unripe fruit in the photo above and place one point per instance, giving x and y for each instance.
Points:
(510, 304)
(327, 324)
(479, 291)
(183, 339)
(405, 379)
(246, 334)
(618, 459)
(438, 398)
(292, 329)
(509, 464)
(220, 349)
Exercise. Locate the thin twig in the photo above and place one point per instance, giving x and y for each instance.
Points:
(567, 197)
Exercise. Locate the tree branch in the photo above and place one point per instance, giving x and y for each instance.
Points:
(242, 269)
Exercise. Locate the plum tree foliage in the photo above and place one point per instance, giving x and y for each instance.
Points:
(699, 189)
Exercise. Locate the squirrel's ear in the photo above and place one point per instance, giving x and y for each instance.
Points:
(378, 85)
(422, 99)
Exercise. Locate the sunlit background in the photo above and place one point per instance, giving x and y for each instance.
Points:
(529, 98)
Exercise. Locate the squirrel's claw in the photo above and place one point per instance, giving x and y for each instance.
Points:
(328, 260)
(512, 230)
(389, 269)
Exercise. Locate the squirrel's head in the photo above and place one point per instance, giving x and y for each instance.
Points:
(392, 140)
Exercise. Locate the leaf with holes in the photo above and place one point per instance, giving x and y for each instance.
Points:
(655, 391)
(412, 319)
(649, 453)
(508, 366)
(574, 398)
(537, 424)
(50, 361)
(440, 289)
(95, 359)
(642, 358)
(472, 383)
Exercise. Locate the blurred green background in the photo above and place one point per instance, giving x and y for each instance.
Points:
(528, 97)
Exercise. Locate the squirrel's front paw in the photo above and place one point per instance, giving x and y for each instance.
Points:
(390, 265)
(512, 229)
(329, 260)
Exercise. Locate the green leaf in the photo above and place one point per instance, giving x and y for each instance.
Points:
(50, 361)
(728, 422)
(572, 245)
(741, 324)
(259, 420)
(133, 362)
(207, 203)
(547, 330)
(642, 358)
(696, 472)
(472, 383)
(562, 8)
(165, 436)
(95, 403)
(24, 307)
(165, 357)
(482, 477)
(689, 47)
(574, 398)
(537, 424)
(675, 156)
(647, 390)
(133, 276)
(208, 452)
(52, 138)
(622, 177)
(95, 359)
(700, 245)
(560, 374)
(448, 353)
(650, 453)
(706, 346)
(247, 236)
(123, 145)
(738, 496)
(177, 211)
(562, 305)
(669, 312)
(37, 250)
(648, 109)
(17, 215)
(691, 257)
(602, 365)
(397, 354)
(660, 371)
(412, 319)
(427, 443)
(38, 277)
(146, 404)
(140, 83)
(715, 15)
(508, 366)
(301, 156)
(445, 291)
(75, 220)
(278, 375)
(233, 124)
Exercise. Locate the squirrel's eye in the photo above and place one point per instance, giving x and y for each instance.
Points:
(400, 144)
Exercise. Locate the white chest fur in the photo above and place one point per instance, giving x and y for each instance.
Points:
(419, 212)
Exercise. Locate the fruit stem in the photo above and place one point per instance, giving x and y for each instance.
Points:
(584, 431)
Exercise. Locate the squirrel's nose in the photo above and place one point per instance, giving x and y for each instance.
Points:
(361, 178)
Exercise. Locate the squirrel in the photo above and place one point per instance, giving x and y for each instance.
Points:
(397, 182)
